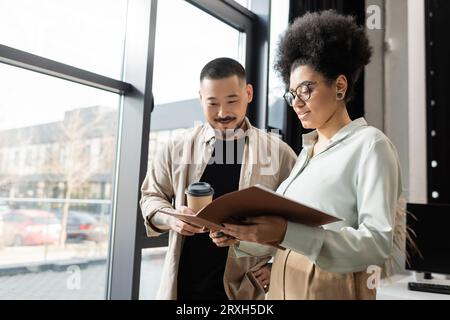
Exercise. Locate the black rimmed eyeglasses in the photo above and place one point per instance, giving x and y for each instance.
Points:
(303, 92)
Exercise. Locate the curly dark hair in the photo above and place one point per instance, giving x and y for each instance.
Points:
(329, 43)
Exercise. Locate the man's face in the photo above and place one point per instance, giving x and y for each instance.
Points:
(225, 101)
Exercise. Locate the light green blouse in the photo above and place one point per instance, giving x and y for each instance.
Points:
(356, 178)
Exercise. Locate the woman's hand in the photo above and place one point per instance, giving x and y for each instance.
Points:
(222, 240)
(264, 230)
(263, 276)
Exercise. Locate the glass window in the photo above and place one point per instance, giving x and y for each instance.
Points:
(61, 199)
(151, 270)
(245, 3)
(182, 47)
(84, 33)
(279, 21)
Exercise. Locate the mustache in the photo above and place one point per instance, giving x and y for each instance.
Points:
(224, 119)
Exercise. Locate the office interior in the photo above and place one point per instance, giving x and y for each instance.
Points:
(93, 89)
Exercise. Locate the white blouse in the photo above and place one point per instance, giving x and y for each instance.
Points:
(357, 178)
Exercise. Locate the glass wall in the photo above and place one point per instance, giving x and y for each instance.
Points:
(279, 21)
(182, 47)
(151, 270)
(84, 33)
(58, 150)
(70, 148)
(245, 3)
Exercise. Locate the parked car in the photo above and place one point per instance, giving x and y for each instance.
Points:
(83, 225)
(30, 227)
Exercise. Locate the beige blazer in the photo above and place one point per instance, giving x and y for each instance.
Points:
(267, 161)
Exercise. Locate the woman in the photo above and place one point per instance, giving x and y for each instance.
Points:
(346, 168)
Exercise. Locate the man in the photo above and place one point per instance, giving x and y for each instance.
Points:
(230, 154)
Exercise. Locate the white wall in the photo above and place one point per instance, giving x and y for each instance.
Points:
(374, 74)
(417, 103)
(395, 96)
(396, 123)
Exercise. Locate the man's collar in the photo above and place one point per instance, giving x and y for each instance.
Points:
(310, 138)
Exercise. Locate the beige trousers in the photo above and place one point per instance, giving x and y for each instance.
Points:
(294, 277)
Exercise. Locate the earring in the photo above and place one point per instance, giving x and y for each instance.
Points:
(340, 96)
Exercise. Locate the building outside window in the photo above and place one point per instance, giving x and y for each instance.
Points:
(58, 145)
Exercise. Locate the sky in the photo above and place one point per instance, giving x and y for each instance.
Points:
(84, 33)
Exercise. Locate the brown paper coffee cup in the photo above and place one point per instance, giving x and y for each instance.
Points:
(199, 195)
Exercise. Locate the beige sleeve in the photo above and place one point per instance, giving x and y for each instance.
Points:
(157, 193)
(287, 162)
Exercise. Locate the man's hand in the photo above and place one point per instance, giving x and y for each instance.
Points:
(222, 240)
(264, 230)
(263, 276)
(182, 227)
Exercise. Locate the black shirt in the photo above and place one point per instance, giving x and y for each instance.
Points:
(202, 263)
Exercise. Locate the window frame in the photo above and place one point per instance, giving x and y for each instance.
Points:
(127, 237)
(32, 62)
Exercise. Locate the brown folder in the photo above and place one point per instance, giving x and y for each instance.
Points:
(251, 202)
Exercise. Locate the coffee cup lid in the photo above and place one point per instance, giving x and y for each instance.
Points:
(199, 189)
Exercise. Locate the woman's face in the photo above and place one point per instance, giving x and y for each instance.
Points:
(322, 104)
